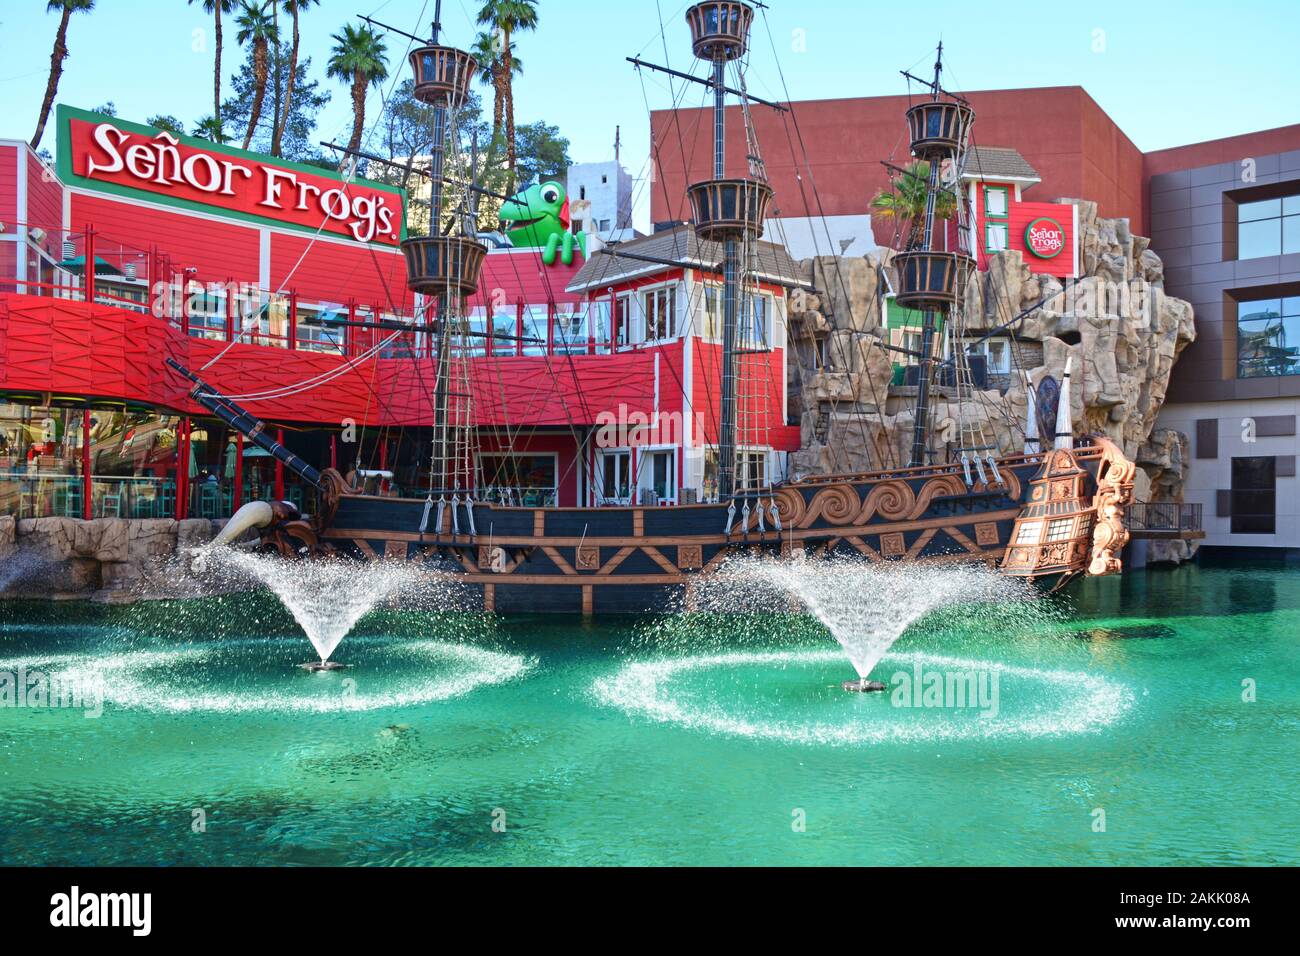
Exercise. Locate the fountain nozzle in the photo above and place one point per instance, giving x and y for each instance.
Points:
(317, 666)
(863, 686)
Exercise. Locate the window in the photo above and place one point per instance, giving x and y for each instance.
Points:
(751, 472)
(1269, 227)
(753, 334)
(657, 474)
(996, 237)
(623, 319)
(504, 321)
(598, 315)
(1254, 495)
(1029, 532)
(514, 479)
(319, 331)
(660, 309)
(534, 330)
(1268, 337)
(996, 353)
(614, 477)
(570, 330)
(582, 192)
(712, 312)
(604, 225)
(207, 311)
(995, 202)
(1059, 529)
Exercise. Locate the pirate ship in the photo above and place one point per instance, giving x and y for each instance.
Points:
(1050, 513)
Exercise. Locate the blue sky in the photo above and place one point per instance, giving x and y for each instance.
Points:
(1167, 72)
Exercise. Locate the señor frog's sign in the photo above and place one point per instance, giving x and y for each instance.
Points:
(1045, 237)
(105, 153)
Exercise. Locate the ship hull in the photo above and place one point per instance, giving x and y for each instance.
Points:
(637, 560)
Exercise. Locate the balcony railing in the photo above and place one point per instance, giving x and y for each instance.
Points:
(1170, 517)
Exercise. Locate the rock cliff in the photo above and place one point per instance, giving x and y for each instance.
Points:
(1123, 332)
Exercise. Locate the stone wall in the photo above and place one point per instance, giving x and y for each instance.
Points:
(109, 559)
(1123, 333)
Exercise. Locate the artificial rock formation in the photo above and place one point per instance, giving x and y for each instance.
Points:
(1123, 333)
(109, 559)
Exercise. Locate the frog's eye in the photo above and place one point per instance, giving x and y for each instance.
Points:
(551, 194)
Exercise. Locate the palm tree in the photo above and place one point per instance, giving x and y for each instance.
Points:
(358, 58)
(904, 201)
(508, 17)
(66, 9)
(487, 52)
(216, 8)
(294, 8)
(210, 128)
(256, 26)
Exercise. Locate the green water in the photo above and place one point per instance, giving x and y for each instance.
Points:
(718, 742)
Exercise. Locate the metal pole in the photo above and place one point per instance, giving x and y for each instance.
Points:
(87, 481)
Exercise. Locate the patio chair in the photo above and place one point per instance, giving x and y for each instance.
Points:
(110, 506)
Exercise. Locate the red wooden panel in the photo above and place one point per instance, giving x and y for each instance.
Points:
(218, 250)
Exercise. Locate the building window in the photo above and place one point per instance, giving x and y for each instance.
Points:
(604, 225)
(712, 312)
(1268, 337)
(996, 237)
(599, 313)
(1254, 495)
(505, 331)
(753, 334)
(996, 353)
(623, 320)
(570, 330)
(657, 477)
(521, 480)
(660, 309)
(582, 192)
(1269, 227)
(534, 330)
(614, 477)
(995, 202)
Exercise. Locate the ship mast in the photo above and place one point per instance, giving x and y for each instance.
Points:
(444, 268)
(730, 211)
(931, 280)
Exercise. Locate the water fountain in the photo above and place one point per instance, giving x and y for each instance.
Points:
(326, 598)
(866, 606)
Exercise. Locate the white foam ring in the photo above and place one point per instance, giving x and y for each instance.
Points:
(1086, 703)
(127, 681)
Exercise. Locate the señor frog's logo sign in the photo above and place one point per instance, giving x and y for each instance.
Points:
(1045, 238)
(239, 182)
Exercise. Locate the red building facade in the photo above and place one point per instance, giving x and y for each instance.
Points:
(280, 283)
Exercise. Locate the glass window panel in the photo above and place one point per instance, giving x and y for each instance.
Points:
(1264, 209)
(503, 324)
(535, 317)
(997, 237)
(599, 319)
(1291, 205)
(1290, 235)
(1291, 305)
(570, 330)
(1258, 239)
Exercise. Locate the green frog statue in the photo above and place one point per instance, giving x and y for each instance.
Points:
(538, 218)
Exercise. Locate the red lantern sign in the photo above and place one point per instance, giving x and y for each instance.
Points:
(1045, 238)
